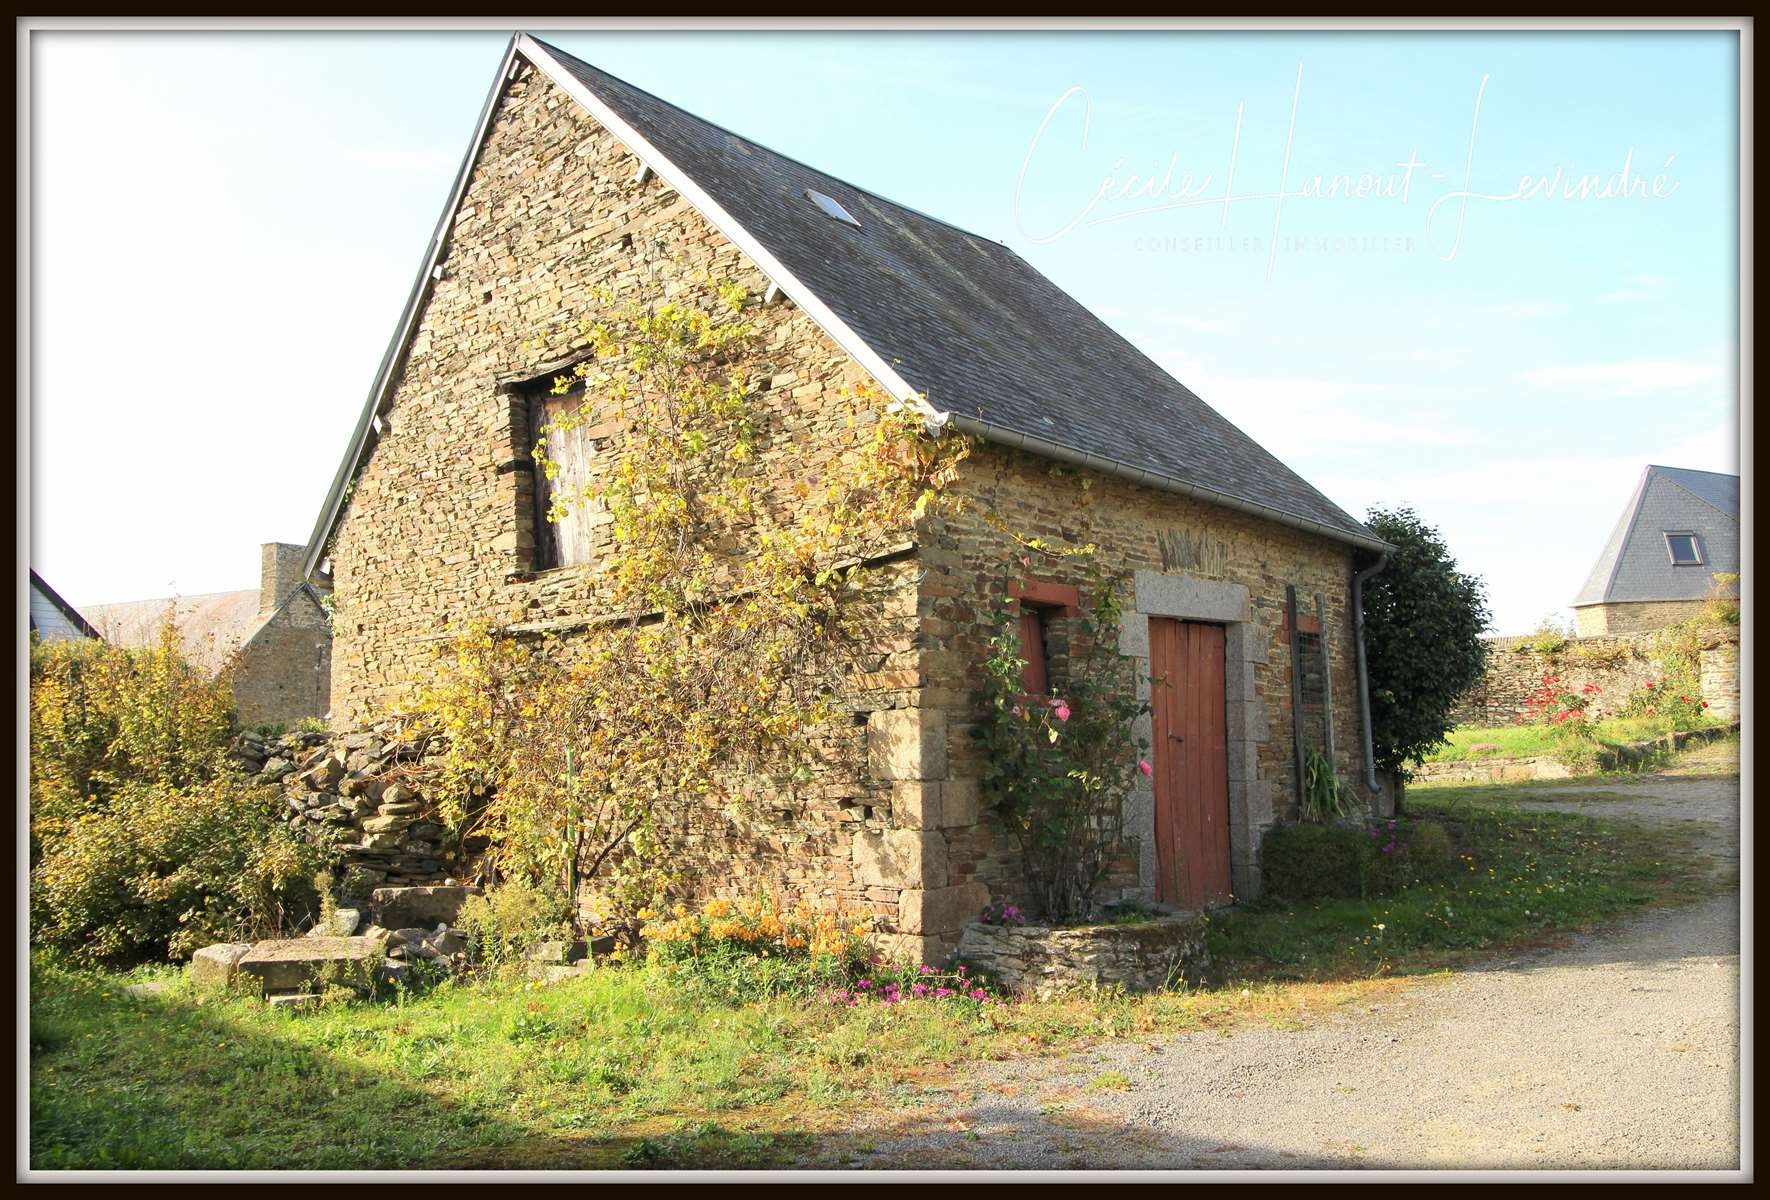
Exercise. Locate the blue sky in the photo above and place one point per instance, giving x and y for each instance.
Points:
(225, 227)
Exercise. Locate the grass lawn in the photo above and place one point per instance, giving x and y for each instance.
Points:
(1526, 741)
(615, 1069)
(1521, 877)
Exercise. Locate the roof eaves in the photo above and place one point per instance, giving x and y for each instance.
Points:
(540, 56)
(67, 610)
(1048, 449)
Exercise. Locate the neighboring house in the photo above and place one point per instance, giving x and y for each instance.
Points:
(277, 635)
(54, 619)
(1680, 529)
(1238, 574)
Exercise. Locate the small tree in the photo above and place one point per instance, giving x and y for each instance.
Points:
(1423, 645)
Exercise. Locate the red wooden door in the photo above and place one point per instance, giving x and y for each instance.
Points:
(1191, 764)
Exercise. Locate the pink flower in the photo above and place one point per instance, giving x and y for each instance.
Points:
(979, 994)
(920, 989)
(1143, 765)
(1061, 709)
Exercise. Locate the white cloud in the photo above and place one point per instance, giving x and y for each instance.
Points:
(1631, 377)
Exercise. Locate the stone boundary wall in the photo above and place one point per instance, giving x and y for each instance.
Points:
(1619, 664)
(1720, 681)
(1042, 961)
(368, 794)
(1492, 770)
(1547, 766)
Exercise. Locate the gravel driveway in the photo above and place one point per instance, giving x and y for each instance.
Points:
(1620, 1051)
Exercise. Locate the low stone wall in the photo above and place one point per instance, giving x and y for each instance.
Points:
(1720, 681)
(1547, 766)
(366, 795)
(1042, 961)
(1492, 770)
(1619, 665)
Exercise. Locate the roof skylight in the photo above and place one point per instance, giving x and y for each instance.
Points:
(832, 208)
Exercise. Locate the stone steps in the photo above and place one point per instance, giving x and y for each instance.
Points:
(299, 964)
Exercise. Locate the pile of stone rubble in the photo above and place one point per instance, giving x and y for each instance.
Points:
(368, 949)
(363, 794)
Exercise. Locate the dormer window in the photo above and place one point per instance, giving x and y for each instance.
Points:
(1685, 549)
(832, 207)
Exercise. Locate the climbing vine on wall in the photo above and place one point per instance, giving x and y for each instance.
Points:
(738, 603)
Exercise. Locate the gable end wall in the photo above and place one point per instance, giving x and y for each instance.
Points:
(432, 539)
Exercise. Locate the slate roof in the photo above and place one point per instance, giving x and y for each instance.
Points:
(54, 619)
(962, 319)
(210, 627)
(1636, 565)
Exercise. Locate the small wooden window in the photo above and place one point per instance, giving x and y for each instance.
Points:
(1040, 601)
(1037, 674)
(567, 542)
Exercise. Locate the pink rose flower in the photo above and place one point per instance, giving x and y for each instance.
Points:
(1061, 709)
(1143, 765)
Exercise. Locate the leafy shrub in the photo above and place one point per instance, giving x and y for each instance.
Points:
(1551, 637)
(738, 951)
(1554, 702)
(1668, 703)
(1721, 606)
(163, 871)
(143, 842)
(105, 717)
(504, 923)
(1424, 621)
(1314, 862)
(1388, 863)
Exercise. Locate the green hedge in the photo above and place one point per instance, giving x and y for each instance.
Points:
(1328, 862)
(1315, 862)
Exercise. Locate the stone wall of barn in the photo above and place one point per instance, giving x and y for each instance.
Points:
(1637, 616)
(1172, 556)
(438, 532)
(439, 528)
(284, 673)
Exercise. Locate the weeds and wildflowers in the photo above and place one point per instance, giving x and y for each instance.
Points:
(1002, 913)
(921, 983)
(740, 949)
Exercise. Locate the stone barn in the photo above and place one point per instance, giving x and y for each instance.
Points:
(1678, 531)
(277, 637)
(1236, 573)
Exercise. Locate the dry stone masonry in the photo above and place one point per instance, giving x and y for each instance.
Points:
(1619, 664)
(362, 794)
(1043, 962)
